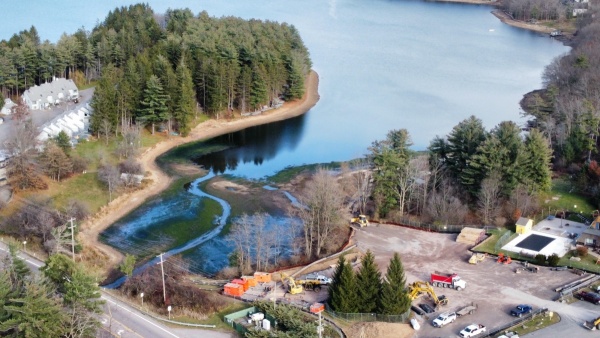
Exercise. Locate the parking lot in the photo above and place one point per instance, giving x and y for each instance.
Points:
(494, 287)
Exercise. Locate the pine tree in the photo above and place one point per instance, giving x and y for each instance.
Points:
(63, 141)
(154, 103)
(368, 284)
(537, 172)
(185, 100)
(394, 295)
(37, 313)
(342, 292)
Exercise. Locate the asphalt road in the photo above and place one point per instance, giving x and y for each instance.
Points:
(122, 320)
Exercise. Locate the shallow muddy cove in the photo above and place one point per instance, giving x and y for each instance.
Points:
(383, 65)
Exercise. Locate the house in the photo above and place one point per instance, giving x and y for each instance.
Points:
(577, 11)
(524, 225)
(4, 156)
(51, 93)
(591, 235)
(7, 107)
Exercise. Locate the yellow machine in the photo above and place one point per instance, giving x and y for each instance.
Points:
(293, 288)
(592, 324)
(476, 258)
(360, 220)
(417, 288)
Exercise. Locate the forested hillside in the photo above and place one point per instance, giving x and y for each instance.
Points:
(568, 109)
(155, 68)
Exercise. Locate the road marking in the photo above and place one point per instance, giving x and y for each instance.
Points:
(139, 316)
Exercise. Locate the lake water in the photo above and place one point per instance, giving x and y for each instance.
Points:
(383, 65)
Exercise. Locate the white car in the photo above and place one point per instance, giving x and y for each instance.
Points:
(444, 318)
(472, 330)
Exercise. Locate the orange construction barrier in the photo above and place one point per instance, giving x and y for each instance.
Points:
(251, 280)
(500, 258)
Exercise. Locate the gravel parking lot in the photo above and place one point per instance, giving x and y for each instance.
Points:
(494, 287)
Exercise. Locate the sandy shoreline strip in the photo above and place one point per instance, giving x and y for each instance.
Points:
(125, 203)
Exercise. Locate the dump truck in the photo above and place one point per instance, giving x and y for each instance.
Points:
(447, 280)
(361, 220)
(592, 324)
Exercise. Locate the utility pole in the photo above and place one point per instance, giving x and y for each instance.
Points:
(72, 227)
(163, 277)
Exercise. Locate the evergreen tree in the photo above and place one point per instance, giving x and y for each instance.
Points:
(153, 108)
(536, 166)
(368, 284)
(6, 293)
(295, 80)
(342, 291)
(394, 295)
(63, 141)
(258, 91)
(185, 100)
(37, 313)
(105, 101)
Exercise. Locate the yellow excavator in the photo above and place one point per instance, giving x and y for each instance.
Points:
(417, 288)
(361, 220)
(592, 324)
(293, 288)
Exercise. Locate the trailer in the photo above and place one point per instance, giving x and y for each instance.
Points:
(466, 310)
(447, 280)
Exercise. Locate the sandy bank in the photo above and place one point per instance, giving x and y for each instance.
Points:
(521, 24)
(125, 203)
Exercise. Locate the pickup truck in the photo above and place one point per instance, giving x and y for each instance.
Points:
(472, 330)
(322, 279)
(444, 318)
(521, 310)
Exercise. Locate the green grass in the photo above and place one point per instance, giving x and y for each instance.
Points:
(490, 243)
(96, 152)
(568, 198)
(85, 188)
(289, 173)
(587, 263)
(537, 323)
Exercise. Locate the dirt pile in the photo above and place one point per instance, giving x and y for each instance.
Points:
(379, 330)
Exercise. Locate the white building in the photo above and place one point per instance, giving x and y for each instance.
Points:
(7, 107)
(52, 93)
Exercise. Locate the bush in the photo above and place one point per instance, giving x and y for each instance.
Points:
(553, 260)
(540, 259)
(581, 251)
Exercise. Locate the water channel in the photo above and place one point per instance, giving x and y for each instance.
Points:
(383, 65)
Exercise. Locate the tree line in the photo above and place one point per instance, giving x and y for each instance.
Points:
(161, 68)
(538, 9)
(567, 110)
(63, 301)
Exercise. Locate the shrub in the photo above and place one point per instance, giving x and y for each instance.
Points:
(553, 260)
(540, 259)
(581, 251)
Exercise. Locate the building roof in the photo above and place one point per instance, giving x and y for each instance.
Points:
(592, 232)
(60, 85)
(523, 221)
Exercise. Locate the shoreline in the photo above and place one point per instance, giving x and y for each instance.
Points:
(124, 204)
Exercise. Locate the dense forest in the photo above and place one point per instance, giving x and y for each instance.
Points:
(567, 110)
(155, 68)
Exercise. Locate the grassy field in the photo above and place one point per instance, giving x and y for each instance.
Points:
(568, 198)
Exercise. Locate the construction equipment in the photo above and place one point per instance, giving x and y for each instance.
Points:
(447, 280)
(477, 257)
(466, 310)
(417, 288)
(502, 258)
(361, 220)
(592, 324)
(293, 288)
(309, 284)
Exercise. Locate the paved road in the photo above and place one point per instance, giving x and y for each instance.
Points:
(122, 320)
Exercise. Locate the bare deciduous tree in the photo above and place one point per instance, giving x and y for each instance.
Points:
(444, 205)
(109, 174)
(321, 210)
(22, 168)
(55, 162)
(489, 198)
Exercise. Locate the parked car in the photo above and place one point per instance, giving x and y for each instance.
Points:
(322, 279)
(591, 297)
(521, 310)
(427, 308)
(443, 319)
(472, 330)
